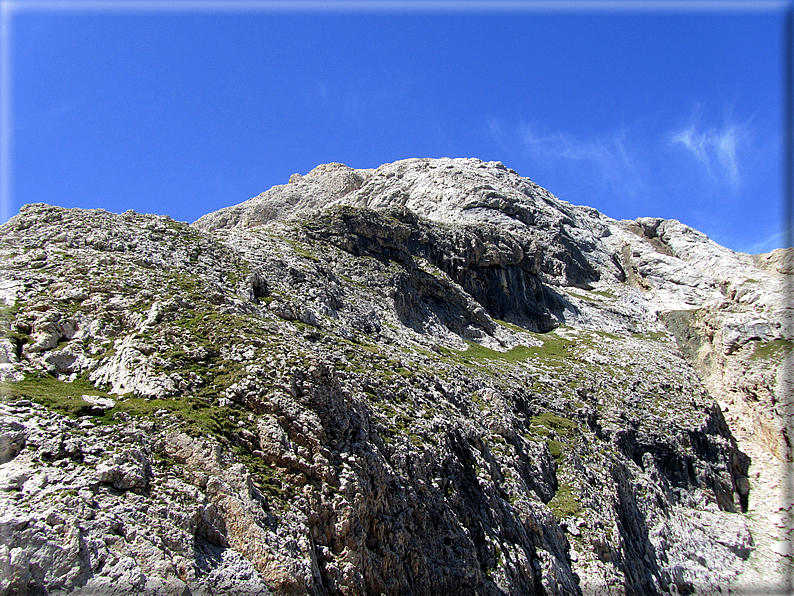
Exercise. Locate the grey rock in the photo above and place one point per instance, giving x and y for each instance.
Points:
(12, 439)
(127, 470)
(102, 402)
(8, 352)
(428, 377)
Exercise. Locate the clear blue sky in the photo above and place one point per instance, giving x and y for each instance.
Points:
(636, 113)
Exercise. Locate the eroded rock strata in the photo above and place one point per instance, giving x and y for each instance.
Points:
(430, 377)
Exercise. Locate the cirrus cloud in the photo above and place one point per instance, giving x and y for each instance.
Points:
(613, 160)
(716, 149)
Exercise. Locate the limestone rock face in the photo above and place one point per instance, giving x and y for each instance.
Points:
(429, 377)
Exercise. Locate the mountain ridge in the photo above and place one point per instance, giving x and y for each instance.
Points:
(427, 376)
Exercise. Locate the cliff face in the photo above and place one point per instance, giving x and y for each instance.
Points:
(425, 378)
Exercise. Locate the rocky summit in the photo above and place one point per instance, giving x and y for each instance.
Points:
(433, 377)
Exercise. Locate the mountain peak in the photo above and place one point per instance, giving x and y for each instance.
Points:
(428, 377)
(455, 190)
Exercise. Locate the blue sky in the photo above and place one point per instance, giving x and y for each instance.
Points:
(643, 111)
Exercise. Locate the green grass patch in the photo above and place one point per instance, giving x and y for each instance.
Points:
(550, 420)
(510, 326)
(604, 293)
(299, 248)
(199, 417)
(190, 286)
(542, 425)
(60, 396)
(272, 481)
(552, 348)
(15, 336)
(655, 335)
(565, 502)
(238, 274)
(163, 460)
(607, 334)
(775, 349)
(415, 439)
(212, 329)
(555, 448)
(405, 373)
(583, 297)
(8, 312)
(351, 281)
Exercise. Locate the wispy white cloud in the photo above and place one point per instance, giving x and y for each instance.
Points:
(716, 149)
(609, 159)
(608, 150)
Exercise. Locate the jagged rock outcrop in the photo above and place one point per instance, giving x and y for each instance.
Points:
(433, 376)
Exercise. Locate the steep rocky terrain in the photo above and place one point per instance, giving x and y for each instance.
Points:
(430, 377)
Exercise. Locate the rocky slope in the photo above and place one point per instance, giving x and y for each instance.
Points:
(429, 377)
